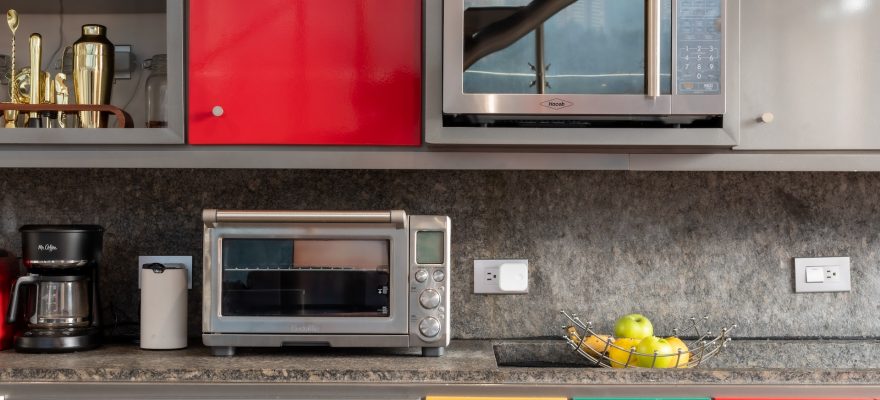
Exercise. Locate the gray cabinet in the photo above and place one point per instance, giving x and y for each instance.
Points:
(149, 26)
(812, 69)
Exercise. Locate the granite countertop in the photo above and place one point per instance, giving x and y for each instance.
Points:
(466, 362)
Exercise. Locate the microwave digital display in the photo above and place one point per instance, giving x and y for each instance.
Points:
(305, 277)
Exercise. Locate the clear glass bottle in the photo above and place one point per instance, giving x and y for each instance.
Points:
(157, 86)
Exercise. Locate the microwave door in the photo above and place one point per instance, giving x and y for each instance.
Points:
(590, 57)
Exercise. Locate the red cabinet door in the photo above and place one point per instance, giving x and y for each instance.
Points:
(330, 72)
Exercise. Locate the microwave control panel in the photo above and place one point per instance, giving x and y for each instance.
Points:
(699, 46)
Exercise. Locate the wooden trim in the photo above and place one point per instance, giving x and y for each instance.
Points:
(123, 119)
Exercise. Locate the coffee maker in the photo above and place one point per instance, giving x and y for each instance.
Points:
(62, 303)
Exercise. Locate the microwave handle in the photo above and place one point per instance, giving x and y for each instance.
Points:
(396, 217)
(652, 47)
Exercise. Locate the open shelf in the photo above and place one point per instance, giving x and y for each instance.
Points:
(150, 27)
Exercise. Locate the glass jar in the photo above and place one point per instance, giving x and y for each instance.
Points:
(157, 86)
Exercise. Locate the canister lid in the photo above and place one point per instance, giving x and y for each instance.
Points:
(160, 268)
(61, 228)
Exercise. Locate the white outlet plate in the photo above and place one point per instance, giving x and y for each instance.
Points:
(487, 276)
(185, 260)
(836, 274)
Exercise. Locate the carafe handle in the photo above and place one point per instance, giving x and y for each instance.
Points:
(13, 305)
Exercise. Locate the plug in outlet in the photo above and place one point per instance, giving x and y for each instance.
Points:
(501, 276)
(492, 275)
(832, 274)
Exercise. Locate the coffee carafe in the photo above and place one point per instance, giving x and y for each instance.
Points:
(62, 303)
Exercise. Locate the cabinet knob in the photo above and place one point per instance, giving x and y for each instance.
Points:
(217, 111)
(766, 118)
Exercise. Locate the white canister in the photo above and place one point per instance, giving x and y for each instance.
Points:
(163, 306)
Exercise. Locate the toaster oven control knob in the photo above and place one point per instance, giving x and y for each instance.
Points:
(429, 327)
(421, 275)
(430, 299)
(439, 275)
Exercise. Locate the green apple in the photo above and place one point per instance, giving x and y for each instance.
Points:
(651, 344)
(633, 326)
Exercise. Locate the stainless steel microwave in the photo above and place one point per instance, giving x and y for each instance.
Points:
(325, 278)
(597, 62)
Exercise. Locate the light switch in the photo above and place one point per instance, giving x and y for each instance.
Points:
(815, 275)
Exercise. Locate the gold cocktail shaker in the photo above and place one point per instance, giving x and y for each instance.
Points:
(36, 50)
(93, 73)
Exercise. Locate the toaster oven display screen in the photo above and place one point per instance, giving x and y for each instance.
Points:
(429, 247)
(305, 277)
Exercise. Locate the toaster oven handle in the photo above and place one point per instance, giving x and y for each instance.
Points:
(652, 47)
(396, 217)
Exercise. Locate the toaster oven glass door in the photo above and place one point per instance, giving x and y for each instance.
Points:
(306, 278)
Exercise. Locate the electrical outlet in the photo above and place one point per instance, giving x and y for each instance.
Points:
(823, 274)
(832, 274)
(187, 261)
(501, 276)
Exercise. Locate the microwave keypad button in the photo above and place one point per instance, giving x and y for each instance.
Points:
(429, 299)
(429, 327)
(439, 275)
(700, 42)
(421, 275)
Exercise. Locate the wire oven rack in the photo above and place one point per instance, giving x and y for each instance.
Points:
(705, 346)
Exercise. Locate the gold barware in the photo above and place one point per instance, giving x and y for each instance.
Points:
(12, 21)
(11, 116)
(61, 96)
(93, 73)
(36, 50)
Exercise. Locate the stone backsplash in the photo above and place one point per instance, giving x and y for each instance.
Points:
(668, 245)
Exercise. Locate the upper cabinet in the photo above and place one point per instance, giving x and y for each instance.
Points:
(810, 76)
(313, 72)
(143, 32)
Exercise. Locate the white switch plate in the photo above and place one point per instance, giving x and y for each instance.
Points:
(487, 276)
(185, 260)
(835, 274)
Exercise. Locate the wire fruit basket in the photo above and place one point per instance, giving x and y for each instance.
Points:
(603, 352)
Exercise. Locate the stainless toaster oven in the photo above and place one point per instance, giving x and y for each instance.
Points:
(325, 278)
